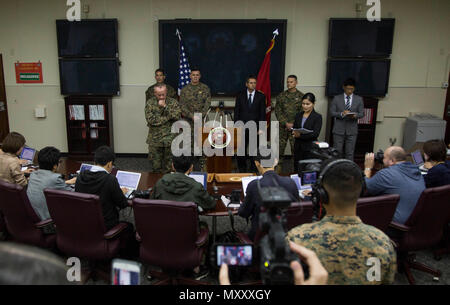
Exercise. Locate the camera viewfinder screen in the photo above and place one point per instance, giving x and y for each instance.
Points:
(309, 178)
(234, 255)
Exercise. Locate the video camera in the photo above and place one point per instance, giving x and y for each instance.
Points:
(275, 252)
(309, 171)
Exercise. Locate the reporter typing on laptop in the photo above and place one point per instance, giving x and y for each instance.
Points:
(98, 181)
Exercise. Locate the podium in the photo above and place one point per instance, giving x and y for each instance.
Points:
(208, 135)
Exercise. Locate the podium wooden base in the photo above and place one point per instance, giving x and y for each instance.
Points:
(221, 164)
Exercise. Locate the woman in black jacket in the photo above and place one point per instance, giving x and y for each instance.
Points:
(307, 119)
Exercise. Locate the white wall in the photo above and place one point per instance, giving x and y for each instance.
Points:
(28, 33)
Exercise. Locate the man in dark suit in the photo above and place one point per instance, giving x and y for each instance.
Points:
(252, 202)
(250, 106)
(346, 109)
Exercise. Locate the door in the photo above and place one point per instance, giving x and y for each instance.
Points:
(4, 124)
(447, 116)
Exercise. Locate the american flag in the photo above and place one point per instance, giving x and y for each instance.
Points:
(185, 70)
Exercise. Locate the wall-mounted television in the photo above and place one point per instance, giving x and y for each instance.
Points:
(87, 38)
(358, 37)
(89, 76)
(371, 76)
(226, 51)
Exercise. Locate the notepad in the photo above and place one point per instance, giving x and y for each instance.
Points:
(303, 130)
(350, 113)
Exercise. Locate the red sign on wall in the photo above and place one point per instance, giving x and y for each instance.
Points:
(29, 72)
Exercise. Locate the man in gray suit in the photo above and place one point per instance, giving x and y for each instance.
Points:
(346, 109)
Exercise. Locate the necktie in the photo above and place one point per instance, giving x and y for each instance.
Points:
(250, 99)
(347, 103)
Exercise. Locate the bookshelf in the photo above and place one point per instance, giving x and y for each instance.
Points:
(89, 125)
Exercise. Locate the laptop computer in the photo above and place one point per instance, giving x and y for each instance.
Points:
(246, 181)
(28, 154)
(418, 160)
(200, 177)
(130, 180)
(84, 167)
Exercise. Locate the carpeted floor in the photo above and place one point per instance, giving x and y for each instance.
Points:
(223, 225)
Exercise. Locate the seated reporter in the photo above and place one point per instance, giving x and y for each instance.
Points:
(178, 186)
(46, 177)
(98, 181)
(252, 201)
(317, 273)
(398, 177)
(308, 118)
(435, 154)
(342, 242)
(10, 164)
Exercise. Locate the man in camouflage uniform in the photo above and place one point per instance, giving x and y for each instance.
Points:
(161, 112)
(160, 76)
(352, 252)
(288, 104)
(195, 97)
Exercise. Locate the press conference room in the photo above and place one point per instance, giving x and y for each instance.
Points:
(216, 142)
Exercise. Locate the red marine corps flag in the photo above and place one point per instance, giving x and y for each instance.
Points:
(263, 80)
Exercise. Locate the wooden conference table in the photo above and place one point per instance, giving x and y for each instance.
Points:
(148, 180)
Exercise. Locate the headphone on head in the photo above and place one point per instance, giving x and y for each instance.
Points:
(319, 195)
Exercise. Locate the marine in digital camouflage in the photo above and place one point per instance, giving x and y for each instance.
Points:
(288, 104)
(343, 245)
(195, 99)
(159, 122)
(160, 158)
(171, 92)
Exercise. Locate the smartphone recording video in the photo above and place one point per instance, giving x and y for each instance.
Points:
(234, 255)
(125, 272)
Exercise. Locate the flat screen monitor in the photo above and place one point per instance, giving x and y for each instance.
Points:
(360, 38)
(371, 76)
(87, 38)
(89, 76)
(226, 51)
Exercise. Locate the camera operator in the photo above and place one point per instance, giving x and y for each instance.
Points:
(252, 203)
(399, 177)
(317, 273)
(342, 242)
